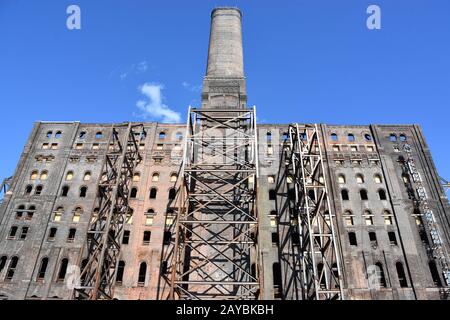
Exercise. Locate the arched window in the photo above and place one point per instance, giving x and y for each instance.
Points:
(146, 238)
(269, 136)
(341, 179)
(401, 275)
(155, 177)
(392, 137)
(63, 270)
(271, 179)
(19, 211)
(11, 268)
(65, 191)
(52, 234)
(38, 190)
(153, 193)
(58, 135)
(44, 175)
(42, 269)
(402, 137)
(162, 135)
(99, 135)
(334, 137)
(348, 218)
(179, 136)
(77, 214)
(69, 176)
(382, 194)
(133, 193)
(142, 274)
(368, 137)
(136, 177)
(30, 212)
(377, 179)
(359, 178)
(58, 214)
(82, 135)
(87, 176)
(71, 236)
(49, 134)
(351, 137)
(173, 177)
(373, 239)
(363, 194)
(120, 272)
(149, 216)
(172, 193)
(380, 274)
(344, 195)
(28, 189)
(277, 282)
(34, 175)
(83, 192)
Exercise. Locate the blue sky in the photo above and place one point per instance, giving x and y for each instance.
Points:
(306, 61)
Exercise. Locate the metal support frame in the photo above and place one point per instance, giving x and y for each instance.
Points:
(311, 216)
(4, 187)
(435, 247)
(215, 251)
(445, 184)
(111, 206)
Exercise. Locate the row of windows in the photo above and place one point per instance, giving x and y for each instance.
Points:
(360, 178)
(363, 194)
(58, 134)
(353, 148)
(23, 212)
(373, 239)
(52, 146)
(368, 217)
(357, 162)
(350, 137)
(178, 136)
(153, 193)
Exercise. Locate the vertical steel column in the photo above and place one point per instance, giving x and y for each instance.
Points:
(111, 206)
(319, 255)
(214, 252)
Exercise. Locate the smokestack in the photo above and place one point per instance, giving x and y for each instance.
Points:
(224, 84)
(225, 55)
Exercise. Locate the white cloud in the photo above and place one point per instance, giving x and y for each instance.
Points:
(153, 107)
(136, 68)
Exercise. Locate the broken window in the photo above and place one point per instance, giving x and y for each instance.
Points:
(392, 238)
(63, 270)
(401, 275)
(52, 234)
(82, 135)
(380, 274)
(71, 236)
(146, 238)
(153, 192)
(363, 194)
(12, 232)
(23, 234)
(344, 195)
(120, 272)
(133, 193)
(38, 190)
(42, 269)
(28, 189)
(373, 239)
(402, 137)
(126, 237)
(352, 239)
(368, 137)
(142, 274)
(172, 193)
(83, 191)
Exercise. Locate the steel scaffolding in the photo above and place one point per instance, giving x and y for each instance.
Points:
(111, 207)
(215, 250)
(316, 254)
(435, 248)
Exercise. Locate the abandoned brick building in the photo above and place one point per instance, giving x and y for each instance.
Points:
(271, 211)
